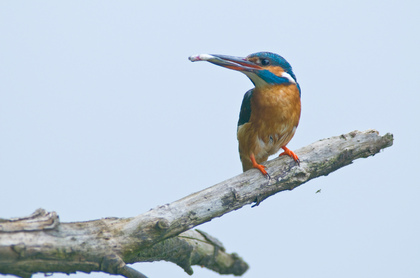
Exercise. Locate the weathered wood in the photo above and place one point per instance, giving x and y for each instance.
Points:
(40, 243)
(98, 246)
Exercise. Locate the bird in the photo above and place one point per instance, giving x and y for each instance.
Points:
(270, 112)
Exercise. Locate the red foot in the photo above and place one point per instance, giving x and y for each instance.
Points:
(259, 166)
(291, 154)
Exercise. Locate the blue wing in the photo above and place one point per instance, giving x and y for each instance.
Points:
(245, 113)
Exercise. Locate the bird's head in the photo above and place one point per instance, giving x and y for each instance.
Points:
(263, 68)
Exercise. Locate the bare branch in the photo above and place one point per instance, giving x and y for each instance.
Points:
(39, 243)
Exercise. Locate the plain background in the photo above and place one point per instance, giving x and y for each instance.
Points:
(102, 114)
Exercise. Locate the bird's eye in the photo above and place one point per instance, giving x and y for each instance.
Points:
(265, 62)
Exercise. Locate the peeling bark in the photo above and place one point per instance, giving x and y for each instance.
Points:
(40, 243)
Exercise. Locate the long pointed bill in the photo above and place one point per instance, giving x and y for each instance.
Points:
(230, 62)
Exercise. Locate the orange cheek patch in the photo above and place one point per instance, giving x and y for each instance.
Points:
(276, 70)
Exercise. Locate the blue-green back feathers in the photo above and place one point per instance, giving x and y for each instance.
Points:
(245, 112)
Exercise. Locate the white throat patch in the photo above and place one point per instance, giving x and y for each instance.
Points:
(289, 77)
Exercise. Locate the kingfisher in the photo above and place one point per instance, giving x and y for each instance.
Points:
(270, 112)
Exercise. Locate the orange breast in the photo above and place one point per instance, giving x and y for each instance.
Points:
(275, 114)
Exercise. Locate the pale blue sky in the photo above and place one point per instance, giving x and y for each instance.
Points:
(102, 114)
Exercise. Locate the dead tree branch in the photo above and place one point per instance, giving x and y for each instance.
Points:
(40, 243)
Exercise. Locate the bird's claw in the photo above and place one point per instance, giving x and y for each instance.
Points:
(259, 166)
(291, 154)
(262, 170)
